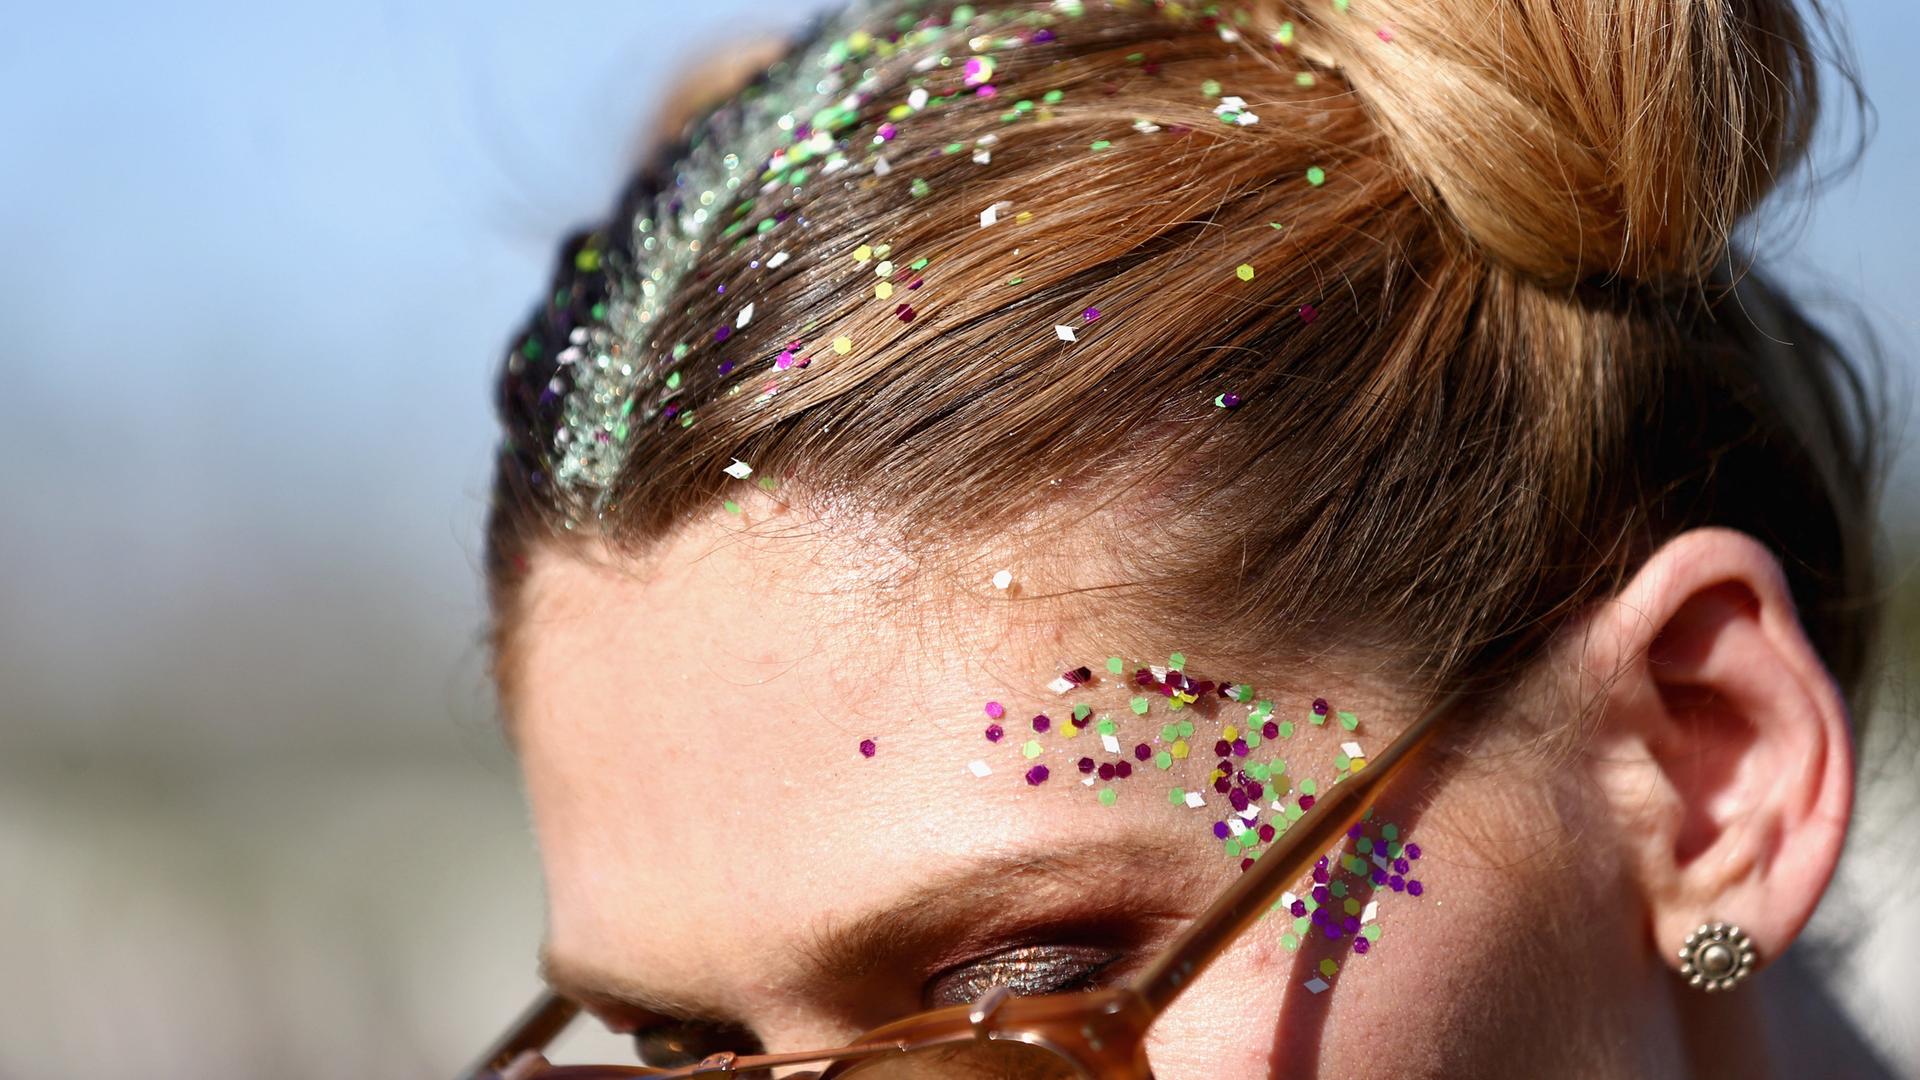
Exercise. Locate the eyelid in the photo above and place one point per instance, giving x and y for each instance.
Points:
(1028, 970)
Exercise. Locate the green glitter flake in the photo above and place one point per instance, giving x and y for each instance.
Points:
(1348, 720)
(1032, 749)
(1371, 931)
(1210, 88)
(1139, 706)
(1186, 729)
(1108, 796)
(1286, 729)
(1308, 787)
(1106, 726)
(1102, 144)
(1053, 97)
(920, 188)
(1177, 661)
(1115, 665)
(1177, 796)
(1163, 760)
(1316, 176)
(731, 506)
(673, 380)
(1244, 272)
(1081, 711)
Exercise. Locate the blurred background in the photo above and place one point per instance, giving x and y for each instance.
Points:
(257, 265)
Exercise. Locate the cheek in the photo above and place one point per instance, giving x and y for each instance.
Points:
(1491, 972)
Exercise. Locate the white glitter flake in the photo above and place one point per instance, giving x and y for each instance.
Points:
(1065, 333)
(979, 768)
(1317, 985)
(739, 470)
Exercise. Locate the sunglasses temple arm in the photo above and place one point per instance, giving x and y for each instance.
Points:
(1335, 810)
(537, 1027)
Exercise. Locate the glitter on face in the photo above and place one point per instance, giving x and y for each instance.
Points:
(867, 748)
(1258, 794)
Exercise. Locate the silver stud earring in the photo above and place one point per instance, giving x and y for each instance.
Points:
(1718, 956)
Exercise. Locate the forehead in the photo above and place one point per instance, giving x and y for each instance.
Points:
(692, 725)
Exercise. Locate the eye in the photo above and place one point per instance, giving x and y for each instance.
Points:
(679, 1043)
(1028, 971)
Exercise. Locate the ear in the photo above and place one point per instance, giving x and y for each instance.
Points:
(1720, 740)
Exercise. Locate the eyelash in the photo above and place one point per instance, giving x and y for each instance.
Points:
(1027, 970)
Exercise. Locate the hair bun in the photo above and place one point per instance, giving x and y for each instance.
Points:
(1605, 137)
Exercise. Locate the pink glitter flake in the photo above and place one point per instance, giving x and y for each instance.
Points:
(867, 748)
(996, 710)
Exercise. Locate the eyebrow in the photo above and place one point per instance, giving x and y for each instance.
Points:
(938, 909)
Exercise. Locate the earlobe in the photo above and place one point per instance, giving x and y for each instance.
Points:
(1720, 740)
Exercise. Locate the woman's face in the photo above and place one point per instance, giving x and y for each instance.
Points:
(720, 850)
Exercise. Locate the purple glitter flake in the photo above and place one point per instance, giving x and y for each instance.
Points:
(994, 732)
(1319, 706)
(1220, 830)
(1229, 400)
(1123, 769)
(1361, 945)
(1414, 888)
(1269, 730)
(1041, 723)
(1142, 752)
(1413, 851)
(867, 748)
(1086, 765)
(1106, 770)
(1037, 775)
(723, 333)
(1090, 314)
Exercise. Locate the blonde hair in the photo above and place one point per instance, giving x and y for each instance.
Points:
(1467, 272)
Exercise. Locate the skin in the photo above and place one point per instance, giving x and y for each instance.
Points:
(715, 845)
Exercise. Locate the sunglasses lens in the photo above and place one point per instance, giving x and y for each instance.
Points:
(991, 1060)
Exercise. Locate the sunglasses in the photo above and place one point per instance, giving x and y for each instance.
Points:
(1096, 1035)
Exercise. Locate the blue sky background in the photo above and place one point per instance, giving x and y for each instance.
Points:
(257, 264)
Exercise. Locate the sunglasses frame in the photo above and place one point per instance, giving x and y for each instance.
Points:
(1101, 1033)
